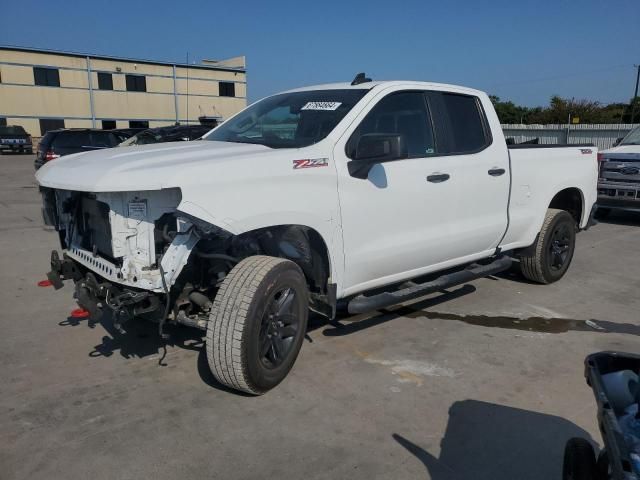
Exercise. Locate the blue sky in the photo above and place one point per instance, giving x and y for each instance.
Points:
(525, 51)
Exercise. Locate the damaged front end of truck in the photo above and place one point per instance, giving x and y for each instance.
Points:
(136, 254)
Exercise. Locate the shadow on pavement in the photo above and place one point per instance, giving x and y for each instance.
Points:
(207, 377)
(140, 338)
(621, 217)
(345, 325)
(492, 442)
(360, 322)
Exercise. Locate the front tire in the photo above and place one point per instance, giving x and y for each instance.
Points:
(548, 259)
(257, 324)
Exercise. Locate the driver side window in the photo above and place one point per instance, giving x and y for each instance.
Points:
(402, 113)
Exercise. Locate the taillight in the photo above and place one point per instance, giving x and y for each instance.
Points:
(601, 161)
(50, 156)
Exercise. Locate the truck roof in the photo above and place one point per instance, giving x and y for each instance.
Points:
(388, 83)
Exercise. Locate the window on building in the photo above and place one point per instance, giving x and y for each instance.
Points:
(136, 83)
(105, 81)
(46, 77)
(108, 124)
(227, 89)
(3, 122)
(460, 123)
(47, 124)
(138, 124)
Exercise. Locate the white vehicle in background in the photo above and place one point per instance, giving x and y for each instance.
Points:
(341, 192)
(619, 182)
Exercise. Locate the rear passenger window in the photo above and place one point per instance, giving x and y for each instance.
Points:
(459, 123)
(102, 139)
(72, 139)
(403, 113)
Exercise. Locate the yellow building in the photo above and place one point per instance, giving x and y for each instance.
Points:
(43, 90)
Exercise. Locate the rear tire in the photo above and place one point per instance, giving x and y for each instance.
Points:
(257, 324)
(579, 461)
(548, 259)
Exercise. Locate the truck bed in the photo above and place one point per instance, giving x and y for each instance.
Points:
(538, 173)
(523, 146)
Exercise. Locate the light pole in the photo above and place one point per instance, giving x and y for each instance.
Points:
(635, 95)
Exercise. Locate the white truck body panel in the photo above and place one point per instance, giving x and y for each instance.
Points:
(538, 175)
(474, 213)
(394, 225)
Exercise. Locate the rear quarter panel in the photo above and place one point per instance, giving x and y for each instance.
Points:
(538, 174)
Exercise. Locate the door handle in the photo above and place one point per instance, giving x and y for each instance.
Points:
(438, 177)
(496, 172)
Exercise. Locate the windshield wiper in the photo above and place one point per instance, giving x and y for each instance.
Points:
(249, 142)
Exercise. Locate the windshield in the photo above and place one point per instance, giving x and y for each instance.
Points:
(289, 120)
(632, 138)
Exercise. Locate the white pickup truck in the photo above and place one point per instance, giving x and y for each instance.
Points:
(322, 196)
(619, 183)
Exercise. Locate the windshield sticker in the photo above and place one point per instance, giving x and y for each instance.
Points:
(321, 106)
(310, 163)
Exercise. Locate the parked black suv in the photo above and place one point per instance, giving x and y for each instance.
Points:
(14, 139)
(174, 133)
(57, 143)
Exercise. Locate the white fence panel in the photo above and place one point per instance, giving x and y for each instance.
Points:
(601, 135)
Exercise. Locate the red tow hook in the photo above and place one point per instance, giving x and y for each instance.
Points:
(80, 313)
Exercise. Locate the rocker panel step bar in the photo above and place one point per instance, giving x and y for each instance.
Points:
(363, 303)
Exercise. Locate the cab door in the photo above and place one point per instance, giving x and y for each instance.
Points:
(436, 205)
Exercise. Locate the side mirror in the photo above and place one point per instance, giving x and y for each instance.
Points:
(373, 148)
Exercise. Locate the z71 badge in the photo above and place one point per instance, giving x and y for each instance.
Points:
(310, 163)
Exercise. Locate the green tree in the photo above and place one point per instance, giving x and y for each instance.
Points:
(509, 112)
(559, 110)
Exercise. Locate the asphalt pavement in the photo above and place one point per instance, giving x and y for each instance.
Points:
(483, 382)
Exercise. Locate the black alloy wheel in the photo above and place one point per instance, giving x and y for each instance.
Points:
(560, 245)
(279, 327)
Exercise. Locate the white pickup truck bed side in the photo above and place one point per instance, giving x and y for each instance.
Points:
(538, 174)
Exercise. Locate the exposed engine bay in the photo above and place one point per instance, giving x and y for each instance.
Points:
(137, 254)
